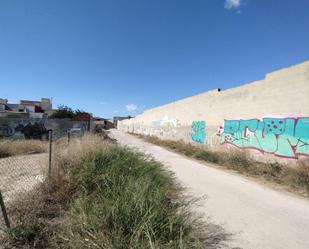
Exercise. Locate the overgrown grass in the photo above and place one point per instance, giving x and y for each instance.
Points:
(21, 147)
(109, 196)
(295, 178)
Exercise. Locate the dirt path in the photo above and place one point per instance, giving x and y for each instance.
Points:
(258, 216)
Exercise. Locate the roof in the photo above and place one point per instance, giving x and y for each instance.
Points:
(30, 102)
(82, 117)
(15, 106)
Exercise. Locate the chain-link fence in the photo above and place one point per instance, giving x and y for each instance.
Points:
(19, 176)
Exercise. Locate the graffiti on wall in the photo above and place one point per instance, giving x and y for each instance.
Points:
(166, 122)
(29, 130)
(166, 125)
(283, 137)
(198, 131)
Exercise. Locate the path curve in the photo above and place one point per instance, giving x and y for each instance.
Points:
(259, 217)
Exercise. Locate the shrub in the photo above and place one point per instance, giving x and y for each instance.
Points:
(64, 111)
(207, 156)
(126, 200)
(275, 169)
(111, 197)
(298, 177)
(26, 232)
(239, 160)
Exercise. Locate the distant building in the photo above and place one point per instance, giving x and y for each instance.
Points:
(103, 123)
(15, 108)
(3, 103)
(50, 112)
(46, 104)
(119, 118)
(37, 106)
(85, 117)
(26, 108)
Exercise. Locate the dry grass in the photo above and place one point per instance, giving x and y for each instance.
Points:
(295, 178)
(35, 219)
(102, 195)
(21, 147)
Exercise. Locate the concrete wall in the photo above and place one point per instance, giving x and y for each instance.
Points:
(270, 116)
(21, 128)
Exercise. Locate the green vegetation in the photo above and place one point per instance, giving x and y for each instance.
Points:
(65, 112)
(207, 156)
(109, 197)
(294, 178)
(21, 147)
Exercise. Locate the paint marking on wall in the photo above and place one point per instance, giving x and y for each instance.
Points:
(198, 131)
(166, 125)
(283, 137)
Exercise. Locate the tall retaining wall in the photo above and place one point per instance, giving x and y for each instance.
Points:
(269, 117)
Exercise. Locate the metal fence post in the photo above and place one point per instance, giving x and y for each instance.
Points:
(3, 209)
(50, 138)
(69, 136)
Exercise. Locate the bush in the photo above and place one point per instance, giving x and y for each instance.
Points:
(64, 111)
(207, 156)
(26, 232)
(240, 161)
(126, 200)
(110, 197)
(298, 177)
(275, 169)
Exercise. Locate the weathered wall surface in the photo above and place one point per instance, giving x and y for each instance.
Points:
(270, 116)
(21, 128)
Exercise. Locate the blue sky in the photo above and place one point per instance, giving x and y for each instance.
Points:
(119, 57)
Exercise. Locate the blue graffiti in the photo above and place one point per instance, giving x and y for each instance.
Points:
(284, 137)
(198, 128)
(6, 131)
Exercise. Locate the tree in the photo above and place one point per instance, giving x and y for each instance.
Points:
(63, 112)
(78, 111)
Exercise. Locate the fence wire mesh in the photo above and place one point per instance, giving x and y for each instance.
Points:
(23, 178)
(20, 175)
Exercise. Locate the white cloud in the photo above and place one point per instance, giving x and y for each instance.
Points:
(102, 103)
(135, 108)
(131, 107)
(116, 111)
(232, 4)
